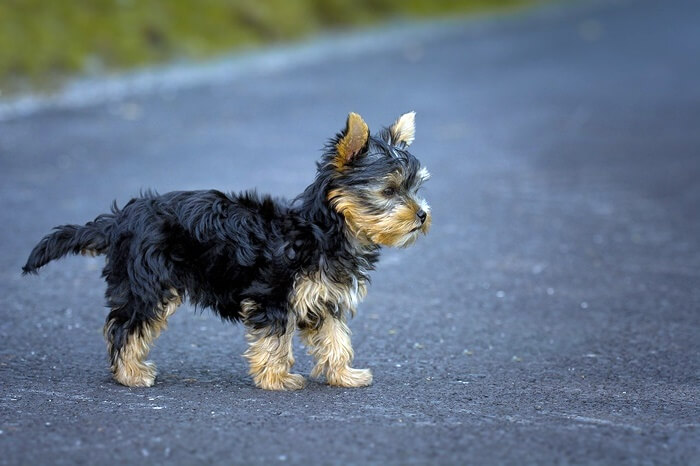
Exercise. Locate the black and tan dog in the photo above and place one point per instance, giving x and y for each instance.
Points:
(274, 265)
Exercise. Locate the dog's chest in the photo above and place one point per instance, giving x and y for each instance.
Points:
(315, 296)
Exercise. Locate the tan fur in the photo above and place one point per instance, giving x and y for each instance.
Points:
(356, 135)
(314, 293)
(270, 356)
(247, 306)
(330, 345)
(129, 368)
(328, 336)
(393, 179)
(404, 129)
(395, 228)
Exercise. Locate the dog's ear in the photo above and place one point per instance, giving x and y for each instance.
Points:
(404, 129)
(353, 141)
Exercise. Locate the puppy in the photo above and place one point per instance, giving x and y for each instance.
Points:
(274, 265)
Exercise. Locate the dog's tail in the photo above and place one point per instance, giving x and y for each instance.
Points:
(91, 239)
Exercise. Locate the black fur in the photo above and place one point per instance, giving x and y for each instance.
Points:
(219, 249)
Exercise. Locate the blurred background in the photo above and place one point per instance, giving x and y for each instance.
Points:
(44, 41)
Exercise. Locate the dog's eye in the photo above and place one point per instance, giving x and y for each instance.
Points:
(389, 192)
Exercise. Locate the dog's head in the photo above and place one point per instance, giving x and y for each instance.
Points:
(375, 182)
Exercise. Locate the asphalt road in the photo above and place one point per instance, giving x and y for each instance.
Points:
(551, 316)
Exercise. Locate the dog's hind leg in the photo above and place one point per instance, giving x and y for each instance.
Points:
(129, 331)
(142, 296)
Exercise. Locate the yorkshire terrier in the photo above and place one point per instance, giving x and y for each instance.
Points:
(275, 265)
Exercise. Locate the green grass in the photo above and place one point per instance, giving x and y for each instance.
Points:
(42, 41)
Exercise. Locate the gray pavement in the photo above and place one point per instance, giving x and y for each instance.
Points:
(551, 316)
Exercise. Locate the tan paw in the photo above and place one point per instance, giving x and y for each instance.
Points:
(349, 377)
(135, 375)
(285, 381)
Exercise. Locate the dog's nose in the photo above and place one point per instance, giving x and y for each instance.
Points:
(422, 215)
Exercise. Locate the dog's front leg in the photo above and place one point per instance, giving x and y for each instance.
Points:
(270, 355)
(330, 345)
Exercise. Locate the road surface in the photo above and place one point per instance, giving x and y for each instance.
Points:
(551, 316)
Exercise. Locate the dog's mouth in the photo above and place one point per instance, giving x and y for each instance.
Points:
(422, 228)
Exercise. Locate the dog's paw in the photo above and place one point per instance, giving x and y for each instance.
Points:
(136, 375)
(349, 377)
(280, 381)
